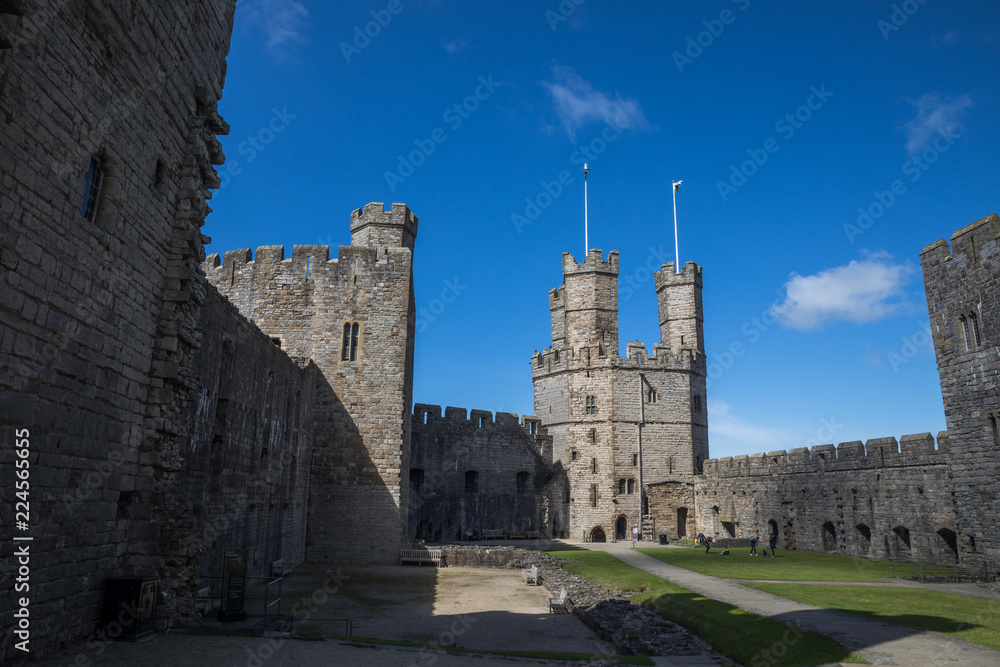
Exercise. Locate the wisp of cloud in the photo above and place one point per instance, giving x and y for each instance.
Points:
(935, 114)
(578, 103)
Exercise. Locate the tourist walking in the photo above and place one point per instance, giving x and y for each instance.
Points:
(753, 545)
(773, 542)
(708, 544)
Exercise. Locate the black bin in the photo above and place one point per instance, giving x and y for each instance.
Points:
(128, 607)
(663, 539)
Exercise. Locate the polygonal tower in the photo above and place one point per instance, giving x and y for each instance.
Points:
(963, 297)
(630, 432)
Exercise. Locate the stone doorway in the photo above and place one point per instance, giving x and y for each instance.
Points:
(621, 528)
(597, 535)
(682, 522)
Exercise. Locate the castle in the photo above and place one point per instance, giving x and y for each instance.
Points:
(177, 406)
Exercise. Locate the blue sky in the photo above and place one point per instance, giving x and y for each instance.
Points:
(786, 121)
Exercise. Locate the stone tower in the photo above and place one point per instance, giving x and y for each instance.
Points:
(623, 427)
(963, 285)
(354, 317)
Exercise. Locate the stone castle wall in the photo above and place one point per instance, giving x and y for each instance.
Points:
(362, 411)
(963, 291)
(883, 498)
(444, 449)
(904, 500)
(111, 341)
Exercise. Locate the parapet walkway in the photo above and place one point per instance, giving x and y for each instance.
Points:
(879, 642)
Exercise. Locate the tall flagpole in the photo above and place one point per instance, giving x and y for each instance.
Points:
(677, 252)
(586, 241)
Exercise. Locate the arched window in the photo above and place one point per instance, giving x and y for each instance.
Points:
(902, 534)
(829, 537)
(472, 481)
(864, 538)
(950, 540)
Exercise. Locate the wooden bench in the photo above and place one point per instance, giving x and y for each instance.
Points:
(492, 534)
(559, 603)
(515, 535)
(532, 535)
(530, 576)
(421, 556)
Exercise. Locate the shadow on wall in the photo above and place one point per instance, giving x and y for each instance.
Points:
(353, 514)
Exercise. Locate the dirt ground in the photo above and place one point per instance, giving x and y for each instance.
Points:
(474, 608)
(467, 607)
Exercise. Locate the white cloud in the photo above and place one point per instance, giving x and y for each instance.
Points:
(722, 423)
(863, 291)
(454, 46)
(934, 114)
(282, 21)
(577, 103)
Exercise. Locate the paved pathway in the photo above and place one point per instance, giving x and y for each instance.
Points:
(880, 642)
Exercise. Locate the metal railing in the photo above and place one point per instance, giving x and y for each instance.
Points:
(267, 599)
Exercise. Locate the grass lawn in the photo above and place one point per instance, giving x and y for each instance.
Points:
(748, 638)
(789, 565)
(540, 655)
(966, 618)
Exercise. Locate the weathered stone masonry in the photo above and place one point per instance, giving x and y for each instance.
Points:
(362, 413)
(963, 296)
(905, 500)
(153, 407)
(885, 499)
(471, 472)
(599, 407)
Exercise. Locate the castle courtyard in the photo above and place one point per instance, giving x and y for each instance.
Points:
(397, 313)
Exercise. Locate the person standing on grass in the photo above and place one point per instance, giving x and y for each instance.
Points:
(753, 545)
(773, 542)
(708, 544)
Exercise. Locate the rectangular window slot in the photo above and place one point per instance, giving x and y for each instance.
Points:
(92, 190)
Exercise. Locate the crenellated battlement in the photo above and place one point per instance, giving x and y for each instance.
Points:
(310, 263)
(690, 275)
(910, 450)
(969, 242)
(592, 263)
(426, 414)
(374, 226)
(554, 360)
